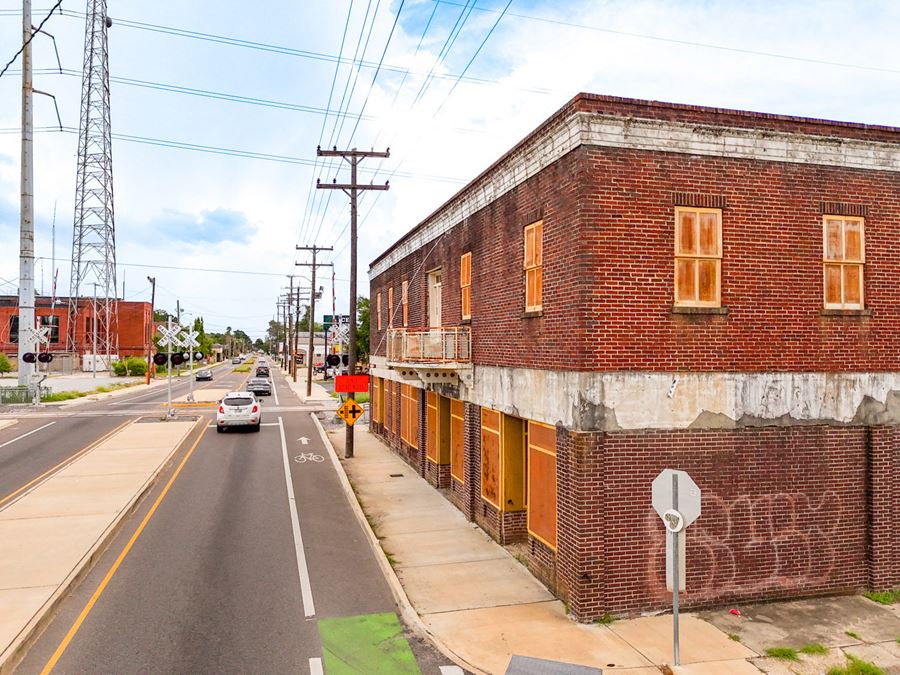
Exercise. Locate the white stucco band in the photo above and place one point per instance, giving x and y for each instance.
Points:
(586, 401)
(615, 131)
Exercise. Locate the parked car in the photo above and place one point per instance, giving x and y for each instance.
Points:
(203, 374)
(260, 386)
(239, 409)
(262, 371)
(236, 359)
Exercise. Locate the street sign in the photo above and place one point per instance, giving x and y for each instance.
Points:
(346, 384)
(169, 335)
(188, 339)
(676, 498)
(350, 411)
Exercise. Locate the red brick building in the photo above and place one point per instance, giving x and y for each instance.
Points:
(638, 286)
(134, 325)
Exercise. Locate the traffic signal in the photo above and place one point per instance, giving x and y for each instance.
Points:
(177, 359)
(45, 357)
(333, 360)
(29, 357)
(198, 356)
(160, 359)
(345, 359)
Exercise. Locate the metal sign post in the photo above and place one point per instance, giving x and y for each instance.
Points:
(169, 340)
(676, 498)
(189, 340)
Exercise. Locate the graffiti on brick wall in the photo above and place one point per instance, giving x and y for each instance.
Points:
(750, 544)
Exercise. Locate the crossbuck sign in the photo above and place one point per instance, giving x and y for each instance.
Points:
(189, 339)
(169, 336)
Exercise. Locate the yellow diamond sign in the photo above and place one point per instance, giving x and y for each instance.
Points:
(350, 411)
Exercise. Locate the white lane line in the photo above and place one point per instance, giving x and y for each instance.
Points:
(452, 670)
(275, 392)
(309, 609)
(263, 424)
(315, 666)
(33, 431)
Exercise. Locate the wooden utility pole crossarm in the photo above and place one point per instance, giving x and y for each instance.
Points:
(352, 157)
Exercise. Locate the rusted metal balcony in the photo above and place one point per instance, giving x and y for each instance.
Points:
(430, 354)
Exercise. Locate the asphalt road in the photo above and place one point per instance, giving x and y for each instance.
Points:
(226, 577)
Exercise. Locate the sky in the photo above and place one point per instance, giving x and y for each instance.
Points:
(448, 86)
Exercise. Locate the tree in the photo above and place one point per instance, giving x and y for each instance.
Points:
(5, 365)
(362, 329)
(258, 344)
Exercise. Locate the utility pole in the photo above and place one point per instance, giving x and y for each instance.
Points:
(312, 310)
(353, 157)
(94, 331)
(27, 341)
(152, 281)
(290, 340)
(178, 322)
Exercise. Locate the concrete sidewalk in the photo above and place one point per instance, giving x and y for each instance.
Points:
(51, 533)
(319, 393)
(483, 606)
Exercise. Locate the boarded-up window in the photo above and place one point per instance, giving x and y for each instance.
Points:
(409, 415)
(534, 262)
(542, 482)
(378, 400)
(457, 440)
(843, 261)
(465, 285)
(698, 257)
(404, 298)
(378, 309)
(390, 308)
(431, 426)
(490, 456)
(390, 407)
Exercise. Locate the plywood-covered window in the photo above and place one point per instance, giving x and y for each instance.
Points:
(378, 309)
(490, 456)
(542, 482)
(437, 428)
(457, 440)
(698, 257)
(843, 262)
(534, 265)
(378, 400)
(389, 405)
(465, 285)
(409, 415)
(404, 299)
(390, 308)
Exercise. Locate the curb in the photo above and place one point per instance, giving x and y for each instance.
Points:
(29, 634)
(407, 611)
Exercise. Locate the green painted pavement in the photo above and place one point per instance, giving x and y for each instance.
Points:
(372, 644)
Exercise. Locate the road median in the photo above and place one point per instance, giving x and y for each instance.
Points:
(52, 531)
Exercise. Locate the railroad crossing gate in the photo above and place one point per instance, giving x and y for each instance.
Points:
(350, 411)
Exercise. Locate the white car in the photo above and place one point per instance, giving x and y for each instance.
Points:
(239, 409)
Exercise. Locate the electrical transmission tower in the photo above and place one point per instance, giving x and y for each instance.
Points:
(94, 232)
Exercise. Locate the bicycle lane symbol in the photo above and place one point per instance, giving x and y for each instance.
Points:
(304, 457)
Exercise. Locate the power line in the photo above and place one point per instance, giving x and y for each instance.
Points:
(30, 38)
(687, 43)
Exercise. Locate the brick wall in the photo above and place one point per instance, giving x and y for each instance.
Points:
(786, 513)
(608, 265)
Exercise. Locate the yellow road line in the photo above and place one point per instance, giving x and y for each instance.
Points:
(71, 458)
(112, 570)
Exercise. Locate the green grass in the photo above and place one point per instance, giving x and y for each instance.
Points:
(245, 368)
(784, 653)
(814, 648)
(63, 396)
(856, 666)
(885, 597)
(606, 619)
(734, 636)
(853, 634)
(361, 397)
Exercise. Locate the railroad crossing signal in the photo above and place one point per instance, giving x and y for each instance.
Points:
(169, 335)
(350, 411)
(40, 335)
(188, 339)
